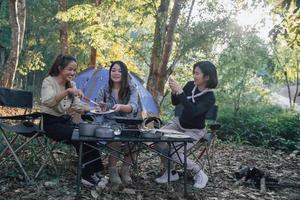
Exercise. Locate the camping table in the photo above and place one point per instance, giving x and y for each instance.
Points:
(140, 142)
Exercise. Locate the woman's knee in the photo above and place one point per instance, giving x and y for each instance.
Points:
(115, 145)
(162, 147)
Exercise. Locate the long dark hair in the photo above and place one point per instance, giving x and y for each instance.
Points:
(208, 69)
(59, 64)
(124, 90)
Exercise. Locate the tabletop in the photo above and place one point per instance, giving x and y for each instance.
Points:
(129, 138)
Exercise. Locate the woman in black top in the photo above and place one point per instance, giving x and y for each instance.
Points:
(195, 99)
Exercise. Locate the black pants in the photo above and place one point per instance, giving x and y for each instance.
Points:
(61, 129)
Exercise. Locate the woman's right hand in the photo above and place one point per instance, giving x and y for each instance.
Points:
(75, 92)
(175, 87)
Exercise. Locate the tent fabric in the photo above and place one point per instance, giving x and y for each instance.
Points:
(84, 76)
(91, 81)
(95, 83)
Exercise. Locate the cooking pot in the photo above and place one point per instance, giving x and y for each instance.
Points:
(104, 132)
(87, 129)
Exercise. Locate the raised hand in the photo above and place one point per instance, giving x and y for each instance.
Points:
(175, 87)
(75, 92)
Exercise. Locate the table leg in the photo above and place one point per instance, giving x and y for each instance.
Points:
(184, 170)
(136, 168)
(169, 162)
(79, 168)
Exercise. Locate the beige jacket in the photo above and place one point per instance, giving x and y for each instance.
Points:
(50, 106)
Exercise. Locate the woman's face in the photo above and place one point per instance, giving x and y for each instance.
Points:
(116, 73)
(199, 78)
(68, 73)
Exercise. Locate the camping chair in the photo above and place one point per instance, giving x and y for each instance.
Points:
(12, 127)
(206, 145)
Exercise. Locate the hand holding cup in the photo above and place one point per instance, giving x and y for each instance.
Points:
(174, 85)
(103, 106)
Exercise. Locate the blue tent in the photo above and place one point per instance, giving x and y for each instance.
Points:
(92, 80)
(84, 76)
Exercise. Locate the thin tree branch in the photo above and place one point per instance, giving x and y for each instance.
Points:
(297, 82)
(170, 33)
(286, 78)
(179, 53)
(136, 50)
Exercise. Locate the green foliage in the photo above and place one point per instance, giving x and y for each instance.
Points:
(124, 30)
(115, 33)
(42, 35)
(286, 40)
(239, 69)
(4, 25)
(262, 125)
(289, 11)
(286, 60)
(32, 62)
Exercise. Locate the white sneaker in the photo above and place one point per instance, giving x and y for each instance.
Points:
(94, 180)
(201, 180)
(100, 179)
(164, 178)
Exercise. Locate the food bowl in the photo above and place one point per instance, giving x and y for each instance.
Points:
(87, 129)
(104, 132)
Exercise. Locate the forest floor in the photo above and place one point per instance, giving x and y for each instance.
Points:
(222, 183)
(285, 167)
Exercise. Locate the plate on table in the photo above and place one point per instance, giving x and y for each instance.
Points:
(177, 136)
(99, 112)
(169, 131)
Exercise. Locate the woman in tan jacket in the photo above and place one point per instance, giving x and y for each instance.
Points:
(59, 95)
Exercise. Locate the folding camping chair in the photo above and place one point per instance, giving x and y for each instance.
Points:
(206, 145)
(12, 127)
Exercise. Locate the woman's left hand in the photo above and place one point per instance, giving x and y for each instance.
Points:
(117, 107)
(86, 109)
(75, 92)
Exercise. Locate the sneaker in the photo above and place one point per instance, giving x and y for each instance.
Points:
(125, 175)
(201, 180)
(94, 180)
(102, 180)
(100, 176)
(164, 178)
(114, 177)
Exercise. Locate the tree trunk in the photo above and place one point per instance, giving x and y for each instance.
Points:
(162, 47)
(17, 12)
(93, 56)
(63, 29)
(179, 51)
(297, 82)
(288, 88)
(2, 56)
